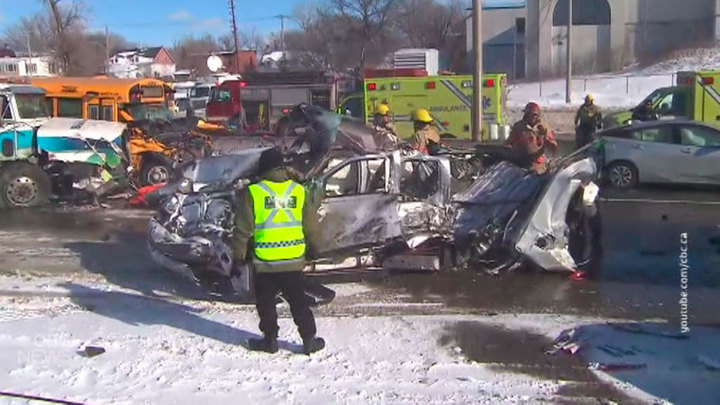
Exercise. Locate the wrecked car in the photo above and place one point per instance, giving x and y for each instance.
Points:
(510, 216)
(395, 208)
(61, 158)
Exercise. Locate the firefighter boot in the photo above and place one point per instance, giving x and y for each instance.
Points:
(313, 344)
(266, 344)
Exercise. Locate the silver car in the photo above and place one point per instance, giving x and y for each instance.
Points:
(680, 152)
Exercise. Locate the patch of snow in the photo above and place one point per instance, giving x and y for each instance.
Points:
(610, 91)
(167, 355)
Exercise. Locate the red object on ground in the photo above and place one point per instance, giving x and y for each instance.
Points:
(139, 199)
(578, 275)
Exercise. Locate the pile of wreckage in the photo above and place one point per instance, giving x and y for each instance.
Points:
(478, 208)
(70, 160)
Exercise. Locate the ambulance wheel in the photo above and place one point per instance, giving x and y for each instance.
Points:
(622, 175)
(23, 185)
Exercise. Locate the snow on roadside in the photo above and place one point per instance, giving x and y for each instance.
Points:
(175, 351)
(617, 90)
(197, 358)
(610, 91)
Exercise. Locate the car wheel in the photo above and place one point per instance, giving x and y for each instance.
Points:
(622, 175)
(23, 185)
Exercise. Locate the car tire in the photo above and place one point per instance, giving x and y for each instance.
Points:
(622, 175)
(155, 171)
(23, 185)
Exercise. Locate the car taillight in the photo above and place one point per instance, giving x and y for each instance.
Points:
(371, 86)
(430, 85)
(708, 80)
(285, 110)
(489, 83)
(445, 123)
(243, 84)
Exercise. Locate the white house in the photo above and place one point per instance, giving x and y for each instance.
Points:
(26, 66)
(146, 62)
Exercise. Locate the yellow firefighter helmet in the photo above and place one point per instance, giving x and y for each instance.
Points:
(382, 109)
(422, 115)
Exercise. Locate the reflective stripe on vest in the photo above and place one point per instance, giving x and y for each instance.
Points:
(278, 220)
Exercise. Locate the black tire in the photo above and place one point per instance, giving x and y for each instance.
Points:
(155, 170)
(621, 175)
(23, 185)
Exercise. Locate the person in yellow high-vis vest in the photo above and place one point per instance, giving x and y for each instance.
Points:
(273, 214)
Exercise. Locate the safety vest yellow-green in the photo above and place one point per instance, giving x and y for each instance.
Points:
(278, 220)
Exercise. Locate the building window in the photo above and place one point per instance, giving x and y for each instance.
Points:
(586, 12)
(69, 107)
(32, 68)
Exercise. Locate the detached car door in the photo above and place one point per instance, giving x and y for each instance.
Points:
(700, 146)
(357, 206)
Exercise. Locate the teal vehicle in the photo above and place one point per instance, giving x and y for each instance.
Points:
(45, 157)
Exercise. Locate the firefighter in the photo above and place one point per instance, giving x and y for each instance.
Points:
(425, 136)
(273, 213)
(587, 121)
(383, 128)
(530, 136)
(644, 112)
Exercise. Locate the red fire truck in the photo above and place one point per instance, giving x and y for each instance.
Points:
(259, 100)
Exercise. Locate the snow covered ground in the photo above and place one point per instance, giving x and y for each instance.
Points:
(167, 351)
(610, 91)
(619, 90)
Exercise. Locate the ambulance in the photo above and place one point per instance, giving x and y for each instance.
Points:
(448, 98)
(696, 97)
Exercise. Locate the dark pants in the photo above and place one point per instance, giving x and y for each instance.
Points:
(584, 136)
(291, 284)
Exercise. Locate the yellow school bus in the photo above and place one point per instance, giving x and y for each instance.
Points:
(102, 98)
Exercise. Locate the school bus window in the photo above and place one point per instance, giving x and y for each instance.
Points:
(152, 91)
(50, 106)
(107, 113)
(93, 112)
(69, 107)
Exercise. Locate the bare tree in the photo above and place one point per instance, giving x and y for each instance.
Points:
(372, 17)
(67, 18)
(433, 24)
(191, 52)
(246, 40)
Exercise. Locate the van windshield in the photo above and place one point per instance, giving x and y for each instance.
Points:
(31, 106)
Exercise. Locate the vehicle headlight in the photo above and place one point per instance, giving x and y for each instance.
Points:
(186, 186)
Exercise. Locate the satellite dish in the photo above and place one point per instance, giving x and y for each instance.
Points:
(214, 63)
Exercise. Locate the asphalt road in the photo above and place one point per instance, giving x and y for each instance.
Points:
(638, 275)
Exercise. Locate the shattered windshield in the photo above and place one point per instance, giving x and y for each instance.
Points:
(31, 106)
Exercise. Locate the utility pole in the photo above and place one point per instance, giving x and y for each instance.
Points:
(235, 35)
(477, 113)
(29, 62)
(107, 50)
(282, 33)
(568, 79)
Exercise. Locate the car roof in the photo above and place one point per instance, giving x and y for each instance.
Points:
(657, 123)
